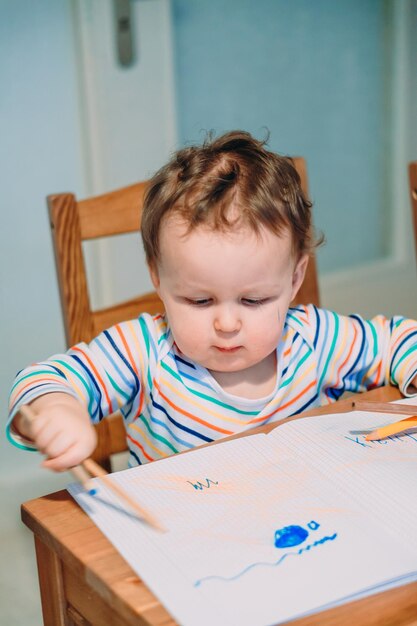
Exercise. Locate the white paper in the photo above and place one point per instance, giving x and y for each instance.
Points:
(266, 528)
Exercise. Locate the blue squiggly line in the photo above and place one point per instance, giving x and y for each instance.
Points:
(198, 485)
(253, 565)
(384, 442)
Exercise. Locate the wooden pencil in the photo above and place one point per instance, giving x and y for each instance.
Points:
(392, 429)
(83, 473)
(384, 407)
(95, 470)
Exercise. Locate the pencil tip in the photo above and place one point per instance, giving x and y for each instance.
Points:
(160, 529)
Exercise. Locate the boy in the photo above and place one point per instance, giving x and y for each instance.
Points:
(227, 233)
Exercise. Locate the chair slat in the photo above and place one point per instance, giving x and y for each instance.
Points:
(78, 321)
(104, 318)
(412, 177)
(309, 291)
(113, 213)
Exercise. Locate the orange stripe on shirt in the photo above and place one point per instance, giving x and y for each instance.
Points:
(306, 313)
(190, 415)
(99, 378)
(126, 345)
(378, 377)
(139, 446)
(347, 357)
(142, 374)
(284, 406)
(18, 390)
(398, 340)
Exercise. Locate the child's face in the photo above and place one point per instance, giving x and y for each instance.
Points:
(226, 295)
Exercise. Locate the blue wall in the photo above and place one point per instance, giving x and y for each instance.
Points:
(314, 73)
(39, 154)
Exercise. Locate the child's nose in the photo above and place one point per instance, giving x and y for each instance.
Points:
(227, 320)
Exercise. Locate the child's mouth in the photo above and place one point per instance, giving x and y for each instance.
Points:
(228, 350)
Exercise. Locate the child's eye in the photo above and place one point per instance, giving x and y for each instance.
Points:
(199, 302)
(254, 301)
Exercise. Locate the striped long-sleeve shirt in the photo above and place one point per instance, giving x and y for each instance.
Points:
(170, 403)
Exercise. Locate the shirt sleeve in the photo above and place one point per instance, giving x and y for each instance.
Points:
(356, 355)
(104, 375)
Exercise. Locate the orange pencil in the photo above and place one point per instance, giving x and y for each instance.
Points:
(392, 429)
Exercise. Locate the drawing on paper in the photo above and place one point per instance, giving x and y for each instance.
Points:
(286, 537)
(199, 486)
(291, 536)
(361, 441)
(303, 515)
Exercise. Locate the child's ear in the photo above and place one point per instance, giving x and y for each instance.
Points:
(298, 275)
(153, 272)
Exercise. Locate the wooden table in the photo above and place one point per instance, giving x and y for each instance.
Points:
(84, 581)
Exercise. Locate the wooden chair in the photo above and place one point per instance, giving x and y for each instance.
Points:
(412, 177)
(114, 213)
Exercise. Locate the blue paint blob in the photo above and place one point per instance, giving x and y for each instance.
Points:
(92, 492)
(313, 525)
(290, 536)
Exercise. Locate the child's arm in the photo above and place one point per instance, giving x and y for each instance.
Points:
(354, 354)
(99, 379)
(61, 430)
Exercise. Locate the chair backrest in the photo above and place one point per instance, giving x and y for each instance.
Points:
(114, 213)
(309, 290)
(73, 222)
(412, 178)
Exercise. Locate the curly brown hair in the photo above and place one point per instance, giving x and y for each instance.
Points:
(203, 183)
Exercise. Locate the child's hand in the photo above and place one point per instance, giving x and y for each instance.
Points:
(61, 430)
